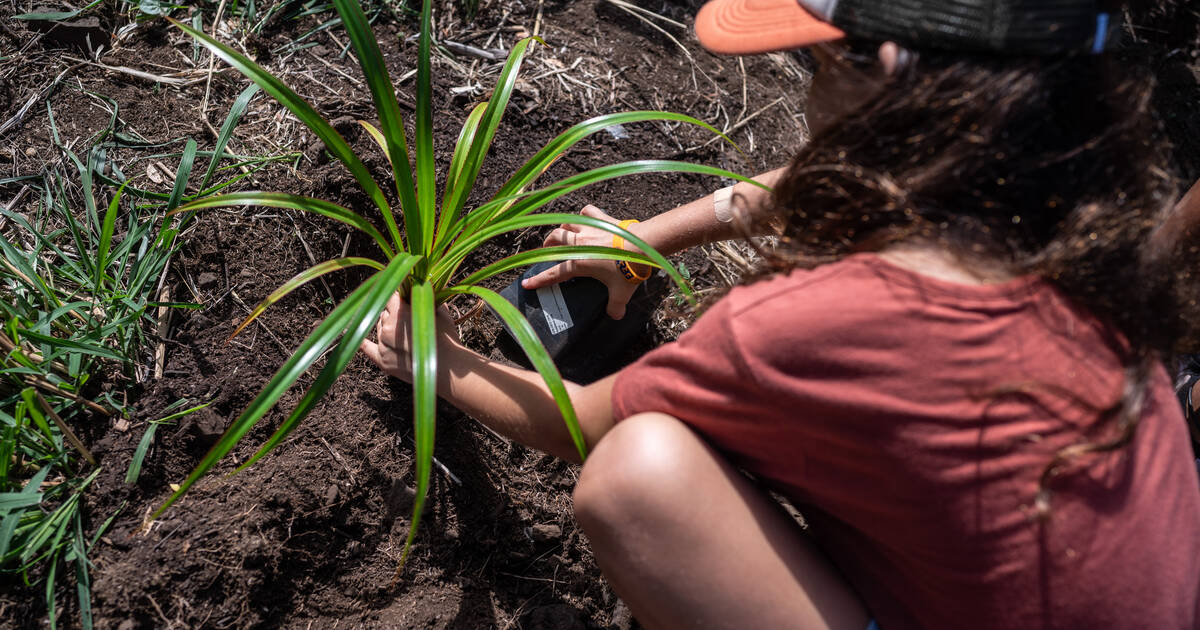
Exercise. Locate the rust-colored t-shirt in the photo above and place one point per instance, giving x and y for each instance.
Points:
(910, 419)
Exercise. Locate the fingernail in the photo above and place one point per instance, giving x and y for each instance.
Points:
(525, 283)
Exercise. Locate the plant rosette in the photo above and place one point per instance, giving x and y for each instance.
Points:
(423, 262)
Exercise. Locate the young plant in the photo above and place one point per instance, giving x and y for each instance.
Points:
(423, 260)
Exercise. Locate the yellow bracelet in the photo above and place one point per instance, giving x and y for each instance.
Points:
(618, 240)
(630, 275)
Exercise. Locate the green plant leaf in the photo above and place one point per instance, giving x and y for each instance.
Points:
(546, 254)
(182, 174)
(139, 454)
(291, 202)
(359, 324)
(334, 142)
(426, 177)
(466, 138)
(473, 160)
(305, 355)
(538, 356)
(299, 280)
(523, 203)
(231, 120)
(455, 256)
(542, 160)
(384, 94)
(106, 233)
(424, 374)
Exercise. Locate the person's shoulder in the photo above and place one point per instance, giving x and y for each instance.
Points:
(816, 292)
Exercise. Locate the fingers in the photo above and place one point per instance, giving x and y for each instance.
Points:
(371, 349)
(618, 298)
(562, 236)
(596, 213)
(393, 304)
(554, 275)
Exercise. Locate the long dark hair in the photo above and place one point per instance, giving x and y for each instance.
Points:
(1046, 166)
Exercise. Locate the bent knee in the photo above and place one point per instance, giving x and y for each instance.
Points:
(639, 465)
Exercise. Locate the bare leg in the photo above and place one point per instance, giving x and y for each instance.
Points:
(688, 542)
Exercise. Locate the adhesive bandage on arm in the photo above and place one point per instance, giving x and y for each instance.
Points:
(723, 204)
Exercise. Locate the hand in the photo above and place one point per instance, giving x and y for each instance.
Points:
(619, 289)
(393, 352)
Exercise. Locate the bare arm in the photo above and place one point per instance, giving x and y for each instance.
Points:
(693, 223)
(512, 401)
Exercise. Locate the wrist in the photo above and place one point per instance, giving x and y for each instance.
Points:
(640, 270)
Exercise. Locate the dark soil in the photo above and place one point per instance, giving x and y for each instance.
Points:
(311, 536)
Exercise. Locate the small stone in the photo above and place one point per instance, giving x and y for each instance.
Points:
(208, 280)
(121, 425)
(331, 494)
(30, 152)
(545, 532)
(128, 624)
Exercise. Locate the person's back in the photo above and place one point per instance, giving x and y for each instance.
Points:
(919, 415)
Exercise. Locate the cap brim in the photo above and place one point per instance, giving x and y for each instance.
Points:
(745, 27)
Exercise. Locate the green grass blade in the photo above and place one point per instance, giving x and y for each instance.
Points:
(305, 355)
(384, 94)
(455, 256)
(334, 142)
(299, 280)
(106, 234)
(83, 581)
(424, 370)
(545, 254)
(385, 284)
(139, 454)
(538, 356)
(292, 202)
(491, 121)
(182, 175)
(231, 120)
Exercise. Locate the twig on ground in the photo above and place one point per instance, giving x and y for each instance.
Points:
(67, 432)
(741, 123)
(464, 49)
(41, 96)
(242, 304)
(312, 259)
(212, 63)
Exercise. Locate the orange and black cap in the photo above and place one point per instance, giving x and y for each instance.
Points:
(1012, 27)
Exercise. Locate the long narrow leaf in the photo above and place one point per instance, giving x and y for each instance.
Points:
(569, 138)
(491, 121)
(291, 202)
(467, 245)
(384, 94)
(528, 339)
(231, 120)
(301, 279)
(546, 254)
(334, 142)
(182, 174)
(426, 178)
(520, 204)
(424, 370)
(106, 234)
(384, 285)
(305, 355)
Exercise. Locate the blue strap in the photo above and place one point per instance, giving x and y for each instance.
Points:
(1101, 35)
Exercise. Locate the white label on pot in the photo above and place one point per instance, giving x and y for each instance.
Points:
(558, 318)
